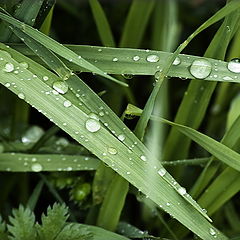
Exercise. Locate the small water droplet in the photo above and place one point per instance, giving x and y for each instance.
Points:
(162, 172)
(21, 96)
(92, 125)
(234, 65)
(112, 150)
(136, 58)
(121, 137)
(45, 78)
(152, 58)
(9, 67)
(115, 59)
(60, 86)
(7, 85)
(176, 61)
(200, 68)
(67, 103)
(182, 190)
(143, 158)
(212, 232)
(227, 78)
(36, 167)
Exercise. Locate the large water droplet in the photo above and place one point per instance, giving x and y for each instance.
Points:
(60, 86)
(162, 172)
(152, 58)
(200, 68)
(176, 61)
(112, 150)
(234, 65)
(9, 67)
(36, 167)
(92, 125)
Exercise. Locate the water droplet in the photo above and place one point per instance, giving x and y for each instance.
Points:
(7, 85)
(143, 158)
(200, 68)
(93, 116)
(9, 67)
(127, 76)
(21, 96)
(227, 78)
(24, 65)
(121, 137)
(60, 86)
(112, 150)
(36, 167)
(212, 232)
(32, 135)
(136, 58)
(234, 65)
(176, 61)
(162, 172)
(115, 59)
(67, 103)
(157, 75)
(152, 58)
(92, 125)
(182, 190)
(45, 78)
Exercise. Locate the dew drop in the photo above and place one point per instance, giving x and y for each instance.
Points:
(162, 172)
(93, 116)
(182, 191)
(112, 150)
(121, 137)
(143, 158)
(36, 167)
(115, 59)
(45, 78)
(227, 78)
(200, 68)
(67, 103)
(152, 58)
(136, 58)
(92, 125)
(9, 67)
(212, 232)
(21, 96)
(7, 85)
(60, 86)
(176, 61)
(234, 65)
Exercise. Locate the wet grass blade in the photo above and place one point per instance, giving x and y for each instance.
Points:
(112, 134)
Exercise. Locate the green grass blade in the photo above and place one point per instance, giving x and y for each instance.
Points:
(56, 47)
(135, 25)
(73, 119)
(32, 201)
(102, 24)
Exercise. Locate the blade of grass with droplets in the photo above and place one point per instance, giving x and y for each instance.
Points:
(136, 22)
(219, 150)
(125, 61)
(100, 141)
(56, 47)
(102, 24)
(21, 162)
(198, 94)
(143, 121)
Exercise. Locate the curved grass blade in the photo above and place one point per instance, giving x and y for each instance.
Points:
(129, 161)
(56, 47)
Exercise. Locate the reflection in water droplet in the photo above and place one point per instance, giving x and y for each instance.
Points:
(176, 61)
(152, 58)
(92, 125)
(112, 151)
(234, 65)
(9, 67)
(200, 68)
(36, 167)
(60, 86)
